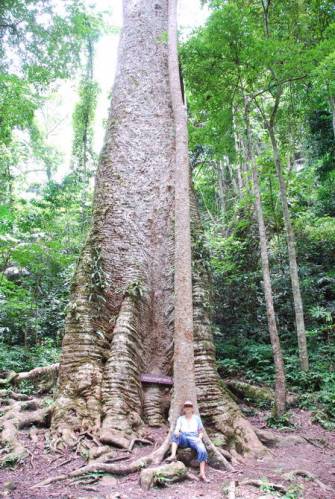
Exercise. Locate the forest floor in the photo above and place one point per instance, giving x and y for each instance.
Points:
(315, 455)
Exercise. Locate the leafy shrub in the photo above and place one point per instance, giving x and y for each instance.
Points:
(19, 358)
(281, 422)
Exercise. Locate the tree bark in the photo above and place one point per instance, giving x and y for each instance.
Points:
(280, 382)
(234, 181)
(183, 365)
(292, 255)
(120, 318)
(332, 107)
(222, 187)
(130, 311)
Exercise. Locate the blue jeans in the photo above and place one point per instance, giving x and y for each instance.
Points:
(193, 441)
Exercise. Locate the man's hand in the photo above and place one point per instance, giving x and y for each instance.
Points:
(201, 435)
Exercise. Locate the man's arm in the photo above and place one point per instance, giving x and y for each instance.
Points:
(178, 426)
(200, 428)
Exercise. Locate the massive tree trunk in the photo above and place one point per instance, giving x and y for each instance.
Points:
(120, 322)
(280, 382)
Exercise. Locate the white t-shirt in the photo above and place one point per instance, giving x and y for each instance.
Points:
(192, 425)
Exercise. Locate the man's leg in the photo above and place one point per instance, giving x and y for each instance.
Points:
(203, 471)
(176, 441)
(202, 456)
(174, 447)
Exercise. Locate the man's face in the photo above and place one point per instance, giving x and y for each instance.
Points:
(188, 410)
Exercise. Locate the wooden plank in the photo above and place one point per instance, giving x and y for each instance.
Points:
(156, 379)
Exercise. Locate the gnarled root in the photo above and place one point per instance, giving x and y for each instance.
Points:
(19, 414)
(259, 483)
(233, 485)
(154, 457)
(254, 393)
(17, 451)
(290, 476)
(271, 439)
(14, 378)
(99, 464)
(216, 458)
(248, 391)
(166, 473)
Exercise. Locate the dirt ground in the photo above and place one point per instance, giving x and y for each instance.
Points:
(315, 455)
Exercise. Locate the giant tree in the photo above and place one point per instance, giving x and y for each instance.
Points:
(130, 311)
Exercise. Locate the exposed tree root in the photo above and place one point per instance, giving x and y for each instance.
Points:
(154, 458)
(101, 464)
(6, 381)
(165, 473)
(216, 458)
(233, 485)
(115, 439)
(14, 378)
(16, 452)
(139, 440)
(255, 393)
(20, 412)
(232, 489)
(271, 439)
(248, 391)
(260, 483)
(14, 395)
(306, 474)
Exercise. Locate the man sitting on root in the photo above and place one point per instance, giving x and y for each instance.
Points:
(189, 433)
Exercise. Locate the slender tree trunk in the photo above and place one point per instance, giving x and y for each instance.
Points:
(239, 177)
(232, 177)
(239, 160)
(222, 187)
(280, 382)
(183, 365)
(294, 273)
(332, 107)
(297, 299)
(130, 311)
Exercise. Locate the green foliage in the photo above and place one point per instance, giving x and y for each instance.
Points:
(42, 226)
(314, 388)
(83, 117)
(244, 56)
(295, 491)
(45, 40)
(280, 422)
(135, 290)
(16, 358)
(17, 105)
(40, 240)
